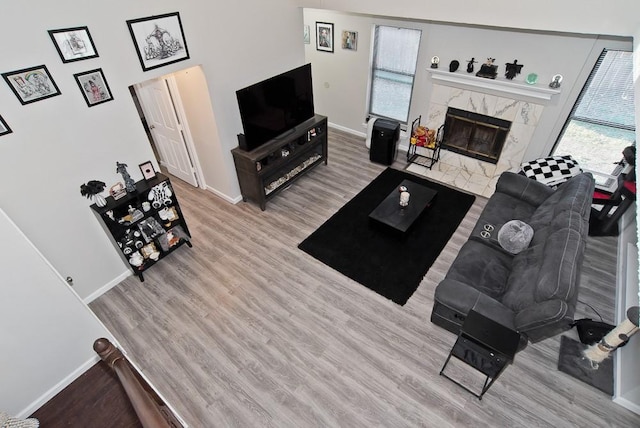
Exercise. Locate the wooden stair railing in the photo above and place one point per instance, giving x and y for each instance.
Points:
(146, 408)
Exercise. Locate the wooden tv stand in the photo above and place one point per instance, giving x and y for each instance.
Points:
(265, 171)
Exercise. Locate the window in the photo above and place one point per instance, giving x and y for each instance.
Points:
(602, 122)
(395, 54)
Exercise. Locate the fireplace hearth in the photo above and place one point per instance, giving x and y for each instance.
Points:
(475, 135)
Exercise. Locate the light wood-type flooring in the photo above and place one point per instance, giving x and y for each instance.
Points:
(244, 329)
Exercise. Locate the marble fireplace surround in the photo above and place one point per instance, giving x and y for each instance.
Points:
(470, 174)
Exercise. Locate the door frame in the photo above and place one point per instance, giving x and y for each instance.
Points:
(181, 117)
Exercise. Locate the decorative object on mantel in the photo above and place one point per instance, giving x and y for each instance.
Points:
(532, 78)
(555, 81)
(434, 62)
(128, 181)
(488, 70)
(512, 69)
(470, 65)
(453, 66)
(91, 190)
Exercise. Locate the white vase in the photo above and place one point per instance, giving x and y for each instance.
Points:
(99, 200)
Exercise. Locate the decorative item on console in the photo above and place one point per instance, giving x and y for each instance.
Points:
(147, 170)
(512, 69)
(91, 190)
(434, 62)
(128, 181)
(488, 70)
(453, 66)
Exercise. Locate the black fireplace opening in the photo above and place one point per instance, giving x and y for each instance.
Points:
(475, 135)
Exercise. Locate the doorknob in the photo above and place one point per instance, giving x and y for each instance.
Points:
(152, 127)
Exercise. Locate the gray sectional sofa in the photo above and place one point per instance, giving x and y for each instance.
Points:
(534, 291)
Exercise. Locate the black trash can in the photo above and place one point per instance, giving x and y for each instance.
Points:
(384, 139)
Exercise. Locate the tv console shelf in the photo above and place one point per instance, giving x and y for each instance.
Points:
(268, 169)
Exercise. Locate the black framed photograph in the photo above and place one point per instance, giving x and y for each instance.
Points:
(4, 128)
(147, 170)
(324, 36)
(94, 87)
(31, 84)
(350, 40)
(73, 44)
(158, 40)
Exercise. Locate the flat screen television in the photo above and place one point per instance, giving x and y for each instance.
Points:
(274, 106)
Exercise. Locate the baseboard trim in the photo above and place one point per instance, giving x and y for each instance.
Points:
(40, 401)
(223, 196)
(108, 286)
(347, 130)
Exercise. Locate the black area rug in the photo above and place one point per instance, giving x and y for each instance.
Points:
(573, 363)
(382, 261)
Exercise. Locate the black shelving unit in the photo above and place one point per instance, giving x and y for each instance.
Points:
(428, 155)
(146, 225)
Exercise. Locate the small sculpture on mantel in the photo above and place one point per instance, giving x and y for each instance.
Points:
(434, 62)
(512, 69)
(470, 65)
(488, 70)
(128, 181)
(555, 83)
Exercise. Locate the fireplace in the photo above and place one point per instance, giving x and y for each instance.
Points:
(475, 135)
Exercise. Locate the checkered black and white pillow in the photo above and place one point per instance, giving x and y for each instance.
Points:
(552, 171)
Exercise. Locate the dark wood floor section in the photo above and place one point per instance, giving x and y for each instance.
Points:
(244, 329)
(96, 399)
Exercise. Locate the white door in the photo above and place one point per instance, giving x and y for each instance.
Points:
(156, 100)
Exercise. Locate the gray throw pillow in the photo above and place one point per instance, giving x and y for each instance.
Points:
(515, 236)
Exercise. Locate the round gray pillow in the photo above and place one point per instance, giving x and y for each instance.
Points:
(515, 236)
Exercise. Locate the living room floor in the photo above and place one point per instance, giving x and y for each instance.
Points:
(244, 329)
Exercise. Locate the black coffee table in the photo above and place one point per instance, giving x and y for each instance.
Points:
(391, 215)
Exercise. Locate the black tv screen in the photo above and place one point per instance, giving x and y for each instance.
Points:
(276, 105)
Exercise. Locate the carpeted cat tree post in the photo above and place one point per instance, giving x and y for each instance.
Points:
(598, 352)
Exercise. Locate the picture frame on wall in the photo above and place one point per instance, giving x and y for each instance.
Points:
(324, 36)
(73, 44)
(4, 128)
(147, 170)
(94, 87)
(350, 40)
(158, 40)
(31, 84)
(306, 34)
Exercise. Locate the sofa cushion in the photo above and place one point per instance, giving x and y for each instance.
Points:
(552, 170)
(547, 271)
(482, 267)
(574, 195)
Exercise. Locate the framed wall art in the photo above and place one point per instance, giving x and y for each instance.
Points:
(350, 40)
(147, 170)
(4, 128)
(94, 87)
(31, 84)
(324, 36)
(158, 40)
(73, 44)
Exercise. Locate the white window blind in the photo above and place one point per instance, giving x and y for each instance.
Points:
(395, 55)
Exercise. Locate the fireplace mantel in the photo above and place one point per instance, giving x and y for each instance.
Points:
(503, 86)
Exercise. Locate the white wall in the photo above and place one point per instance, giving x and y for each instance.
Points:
(615, 17)
(340, 79)
(59, 143)
(46, 331)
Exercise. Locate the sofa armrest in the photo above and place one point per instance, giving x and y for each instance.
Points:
(523, 188)
(544, 319)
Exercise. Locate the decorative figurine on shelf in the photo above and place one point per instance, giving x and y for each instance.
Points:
(92, 191)
(434, 62)
(128, 181)
(555, 83)
(512, 69)
(488, 70)
(453, 66)
(470, 65)
(532, 78)
(404, 199)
